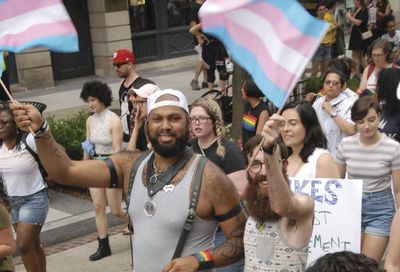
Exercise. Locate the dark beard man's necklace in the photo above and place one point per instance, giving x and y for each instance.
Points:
(160, 179)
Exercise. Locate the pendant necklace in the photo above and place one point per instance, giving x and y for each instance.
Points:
(150, 206)
(160, 179)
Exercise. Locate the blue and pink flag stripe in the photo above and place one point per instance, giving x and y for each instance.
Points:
(273, 40)
(39, 23)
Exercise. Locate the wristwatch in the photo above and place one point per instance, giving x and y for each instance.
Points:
(333, 114)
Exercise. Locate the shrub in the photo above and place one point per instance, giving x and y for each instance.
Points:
(70, 132)
(314, 84)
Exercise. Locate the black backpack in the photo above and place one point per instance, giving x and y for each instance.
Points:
(35, 156)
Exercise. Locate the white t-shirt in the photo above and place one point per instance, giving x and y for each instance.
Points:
(19, 170)
(395, 40)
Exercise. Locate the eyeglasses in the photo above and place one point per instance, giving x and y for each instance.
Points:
(377, 55)
(118, 65)
(255, 167)
(5, 123)
(199, 119)
(332, 82)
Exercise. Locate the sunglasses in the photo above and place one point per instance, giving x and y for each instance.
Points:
(332, 82)
(118, 65)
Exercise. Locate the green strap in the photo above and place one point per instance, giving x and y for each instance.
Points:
(196, 188)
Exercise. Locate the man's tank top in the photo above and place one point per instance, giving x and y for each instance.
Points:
(156, 236)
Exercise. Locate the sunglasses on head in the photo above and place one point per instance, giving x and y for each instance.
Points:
(118, 65)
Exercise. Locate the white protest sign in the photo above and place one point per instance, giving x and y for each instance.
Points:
(337, 223)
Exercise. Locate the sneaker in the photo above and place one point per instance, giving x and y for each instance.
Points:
(195, 85)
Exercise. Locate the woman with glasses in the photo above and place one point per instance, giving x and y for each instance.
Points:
(380, 54)
(333, 110)
(373, 157)
(7, 243)
(26, 188)
(138, 99)
(307, 144)
(207, 126)
(104, 130)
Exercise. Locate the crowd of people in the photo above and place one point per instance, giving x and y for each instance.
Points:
(236, 205)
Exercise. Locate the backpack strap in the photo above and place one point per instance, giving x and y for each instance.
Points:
(34, 155)
(133, 174)
(371, 68)
(196, 181)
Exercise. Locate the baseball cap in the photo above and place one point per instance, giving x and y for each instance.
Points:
(146, 90)
(123, 55)
(152, 102)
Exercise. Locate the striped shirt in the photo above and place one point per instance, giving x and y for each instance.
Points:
(373, 164)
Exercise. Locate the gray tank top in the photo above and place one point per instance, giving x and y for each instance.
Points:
(156, 236)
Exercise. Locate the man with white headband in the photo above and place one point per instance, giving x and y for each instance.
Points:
(161, 189)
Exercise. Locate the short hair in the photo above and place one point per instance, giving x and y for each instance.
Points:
(339, 73)
(314, 135)
(320, 4)
(254, 141)
(251, 89)
(345, 261)
(213, 109)
(362, 106)
(98, 90)
(384, 45)
(388, 81)
(388, 18)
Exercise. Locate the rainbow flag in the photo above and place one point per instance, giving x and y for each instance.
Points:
(249, 122)
(273, 40)
(26, 24)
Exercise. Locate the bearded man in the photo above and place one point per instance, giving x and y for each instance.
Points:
(160, 192)
(280, 224)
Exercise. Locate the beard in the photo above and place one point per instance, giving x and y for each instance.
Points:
(258, 200)
(168, 151)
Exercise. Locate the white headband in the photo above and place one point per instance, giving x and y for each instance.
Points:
(152, 102)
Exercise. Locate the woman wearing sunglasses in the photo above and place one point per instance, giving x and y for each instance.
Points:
(333, 110)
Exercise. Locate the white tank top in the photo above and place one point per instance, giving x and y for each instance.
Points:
(100, 132)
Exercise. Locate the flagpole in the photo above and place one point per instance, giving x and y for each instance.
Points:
(13, 100)
(261, 143)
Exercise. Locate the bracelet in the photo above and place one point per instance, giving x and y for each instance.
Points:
(42, 130)
(205, 259)
(270, 149)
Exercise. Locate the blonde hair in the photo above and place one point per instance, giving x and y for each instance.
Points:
(213, 109)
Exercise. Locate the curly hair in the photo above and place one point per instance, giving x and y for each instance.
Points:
(213, 109)
(345, 261)
(315, 137)
(98, 90)
(4, 107)
(3, 195)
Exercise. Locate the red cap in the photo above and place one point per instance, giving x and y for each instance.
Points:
(123, 55)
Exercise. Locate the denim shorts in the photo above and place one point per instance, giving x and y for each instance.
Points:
(378, 209)
(30, 209)
(323, 53)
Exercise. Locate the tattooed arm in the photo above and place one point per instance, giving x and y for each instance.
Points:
(218, 197)
(61, 168)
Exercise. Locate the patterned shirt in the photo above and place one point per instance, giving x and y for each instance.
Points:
(267, 251)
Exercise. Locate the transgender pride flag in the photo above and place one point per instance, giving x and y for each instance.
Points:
(272, 39)
(36, 23)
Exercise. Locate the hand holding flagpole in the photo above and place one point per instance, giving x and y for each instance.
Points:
(13, 101)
